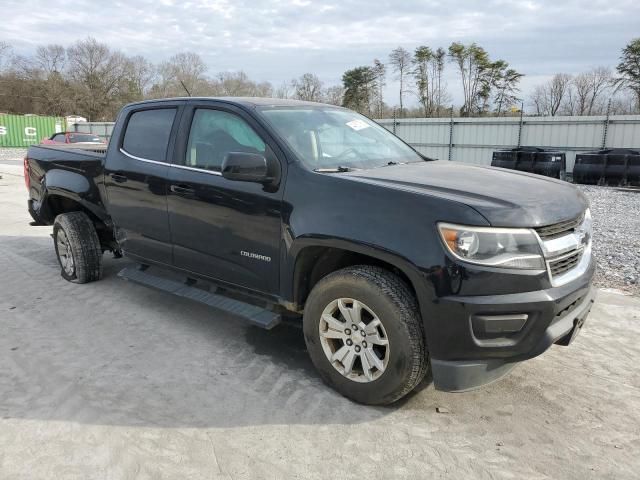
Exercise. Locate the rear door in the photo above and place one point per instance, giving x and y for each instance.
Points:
(223, 229)
(136, 180)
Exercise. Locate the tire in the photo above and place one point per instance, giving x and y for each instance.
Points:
(77, 247)
(379, 294)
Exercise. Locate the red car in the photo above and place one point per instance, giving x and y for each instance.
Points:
(73, 137)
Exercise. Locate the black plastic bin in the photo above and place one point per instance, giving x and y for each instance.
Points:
(588, 168)
(505, 159)
(526, 160)
(533, 160)
(633, 170)
(616, 166)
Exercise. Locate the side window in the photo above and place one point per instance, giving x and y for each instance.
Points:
(59, 138)
(215, 133)
(148, 132)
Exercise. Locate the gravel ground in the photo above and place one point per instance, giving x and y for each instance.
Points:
(616, 214)
(616, 236)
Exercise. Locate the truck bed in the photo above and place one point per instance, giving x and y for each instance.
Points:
(53, 170)
(66, 151)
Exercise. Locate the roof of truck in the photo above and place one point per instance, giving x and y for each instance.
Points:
(247, 101)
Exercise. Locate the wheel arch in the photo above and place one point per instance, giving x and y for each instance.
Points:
(58, 202)
(314, 258)
(66, 191)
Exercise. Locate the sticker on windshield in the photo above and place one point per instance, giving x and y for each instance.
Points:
(358, 124)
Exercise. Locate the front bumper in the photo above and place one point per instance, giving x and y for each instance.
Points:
(462, 360)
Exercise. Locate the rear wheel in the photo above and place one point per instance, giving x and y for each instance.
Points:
(364, 334)
(77, 247)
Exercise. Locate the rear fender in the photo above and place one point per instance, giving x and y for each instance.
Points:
(74, 186)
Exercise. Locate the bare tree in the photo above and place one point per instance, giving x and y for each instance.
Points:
(283, 91)
(549, 97)
(589, 88)
(98, 74)
(400, 61)
(440, 95)
(334, 95)
(623, 102)
(238, 84)
(5, 53)
(557, 89)
(140, 73)
(49, 65)
(263, 89)
(51, 58)
(308, 87)
(183, 74)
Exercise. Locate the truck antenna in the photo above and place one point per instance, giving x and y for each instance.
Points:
(185, 88)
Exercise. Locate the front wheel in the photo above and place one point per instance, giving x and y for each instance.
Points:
(364, 334)
(77, 247)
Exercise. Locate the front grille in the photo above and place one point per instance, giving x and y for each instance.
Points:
(565, 263)
(559, 229)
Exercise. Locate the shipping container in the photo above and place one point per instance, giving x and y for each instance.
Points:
(25, 130)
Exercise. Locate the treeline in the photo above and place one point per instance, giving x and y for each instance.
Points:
(90, 79)
(595, 92)
(488, 86)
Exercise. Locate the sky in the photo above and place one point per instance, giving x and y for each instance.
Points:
(277, 40)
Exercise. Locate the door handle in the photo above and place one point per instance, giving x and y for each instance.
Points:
(119, 178)
(182, 190)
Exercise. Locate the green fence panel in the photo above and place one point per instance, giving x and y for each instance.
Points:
(25, 130)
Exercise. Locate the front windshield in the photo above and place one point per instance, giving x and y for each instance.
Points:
(329, 138)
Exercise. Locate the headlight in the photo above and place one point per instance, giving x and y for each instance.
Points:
(585, 230)
(494, 247)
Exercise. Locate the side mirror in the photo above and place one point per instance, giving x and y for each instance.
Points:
(246, 167)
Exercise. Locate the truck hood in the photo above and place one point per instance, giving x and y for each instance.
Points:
(506, 198)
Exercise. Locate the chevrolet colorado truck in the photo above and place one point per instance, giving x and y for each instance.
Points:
(395, 263)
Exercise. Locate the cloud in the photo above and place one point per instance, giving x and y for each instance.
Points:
(280, 39)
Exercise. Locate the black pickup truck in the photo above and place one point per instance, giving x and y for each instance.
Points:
(264, 208)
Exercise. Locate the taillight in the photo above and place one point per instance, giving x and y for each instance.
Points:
(27, 176)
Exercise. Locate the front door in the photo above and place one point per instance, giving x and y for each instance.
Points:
(223, 229)
(135, 181)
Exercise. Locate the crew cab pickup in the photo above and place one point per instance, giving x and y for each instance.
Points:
(265, 208)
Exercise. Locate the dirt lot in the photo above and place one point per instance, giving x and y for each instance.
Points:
(112, 380)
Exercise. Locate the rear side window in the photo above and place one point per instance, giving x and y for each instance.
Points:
(148, 132)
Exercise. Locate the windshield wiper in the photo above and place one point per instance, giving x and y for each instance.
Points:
(338, 169)
(389, 164)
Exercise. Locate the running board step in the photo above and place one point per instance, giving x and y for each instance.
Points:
(253, 314)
